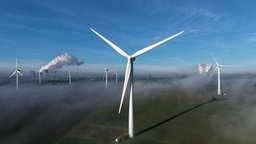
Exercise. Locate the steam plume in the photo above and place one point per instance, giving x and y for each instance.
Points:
(204, 68)
(60, 61)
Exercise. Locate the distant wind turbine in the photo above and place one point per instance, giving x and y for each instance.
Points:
(129, 73)
(39, 77)
(116, 77)
(69, 77)
(217, 68)
(17, 72)
(106, 76)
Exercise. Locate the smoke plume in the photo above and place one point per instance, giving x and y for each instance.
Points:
(204, 68)
(61, 61)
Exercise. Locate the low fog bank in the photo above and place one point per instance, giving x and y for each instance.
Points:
(236, 124)
(240, 125)
(231, 118)
(200, 85)
(44, 113)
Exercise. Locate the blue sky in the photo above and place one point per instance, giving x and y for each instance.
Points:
(37, 31)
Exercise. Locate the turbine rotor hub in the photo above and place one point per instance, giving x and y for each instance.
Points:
(132, 59)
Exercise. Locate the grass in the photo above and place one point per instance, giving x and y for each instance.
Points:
(77, 140)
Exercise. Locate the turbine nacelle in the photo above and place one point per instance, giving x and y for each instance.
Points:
(132, 59)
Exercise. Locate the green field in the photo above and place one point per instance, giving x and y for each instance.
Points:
(226, 120)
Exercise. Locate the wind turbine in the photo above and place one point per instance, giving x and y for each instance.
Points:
(218, 67)
(39, 77)
(129, 73)
(69, 77)
(106, 78)
(116, 77)
(17, 72)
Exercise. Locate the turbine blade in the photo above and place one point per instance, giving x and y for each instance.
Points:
(13, 73)
(215, 59)
(119, 50)
(19, 73)
(213, 73)
(126, 79)
(154, 45)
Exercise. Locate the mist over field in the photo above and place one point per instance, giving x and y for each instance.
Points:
(45, 113)
(39, 114)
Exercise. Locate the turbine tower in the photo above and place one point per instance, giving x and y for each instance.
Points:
(116, 77)
(39, 77)
(17, 72)
(69, 77)
(129, 74)
(106, 78)
(217, 68)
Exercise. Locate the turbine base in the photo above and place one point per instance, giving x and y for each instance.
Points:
(122, 138)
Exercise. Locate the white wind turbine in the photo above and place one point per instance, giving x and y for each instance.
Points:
(69, 77)
(218, 67)
(129, 73)
(116, 77)
(106, 76)
(17, 72)
(39, 77)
